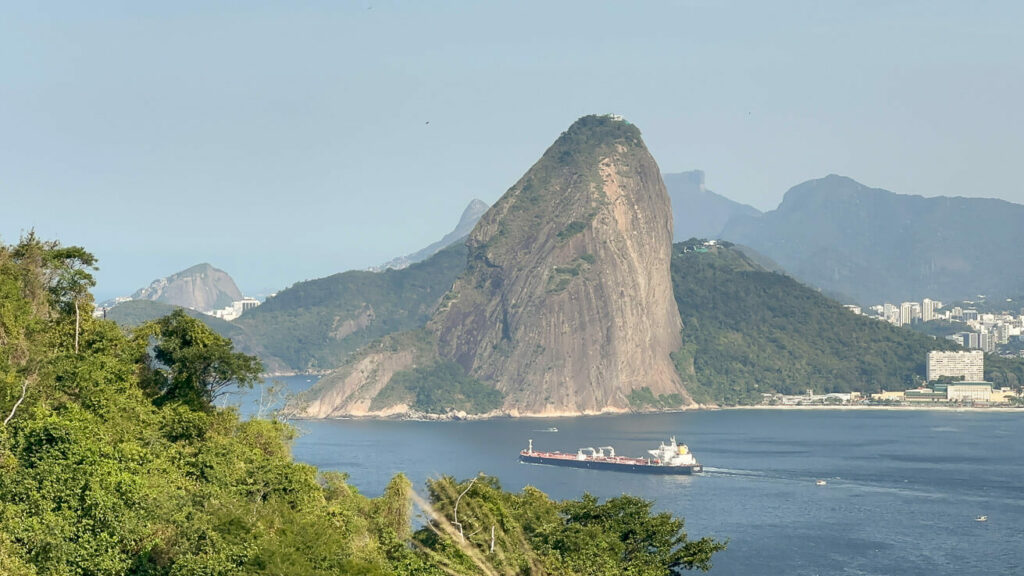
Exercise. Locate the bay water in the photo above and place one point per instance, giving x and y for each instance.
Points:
(903, 488)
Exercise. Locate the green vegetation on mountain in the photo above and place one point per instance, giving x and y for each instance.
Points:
(134, 313)
(750, 331)
(1004, 372)
(644, 399)
(317, 324)
(436, 389)
(114, 461)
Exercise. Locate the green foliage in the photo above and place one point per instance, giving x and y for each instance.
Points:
(574, 228)
(1004, 372)
(644, 399)
(438, 388)
(99, 476)
(750, 331)
(532, 534)
(134, 313)
(193, 364)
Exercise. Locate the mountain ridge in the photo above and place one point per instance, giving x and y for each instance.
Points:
(698, 212)
(470, 215)
(844, 237)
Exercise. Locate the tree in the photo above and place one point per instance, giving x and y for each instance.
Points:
(191, 363)
(62, 270)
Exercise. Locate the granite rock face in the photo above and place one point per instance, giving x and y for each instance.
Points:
(566, 305)
(201, 287)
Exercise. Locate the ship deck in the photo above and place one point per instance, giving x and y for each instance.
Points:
(608, 459)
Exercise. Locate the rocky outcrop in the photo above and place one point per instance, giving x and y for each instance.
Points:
(350, 390)
(201, 287)
(566, 305)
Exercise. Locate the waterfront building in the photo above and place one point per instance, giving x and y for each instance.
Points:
(895, 396)
(967, 365)
(924, 395)
(969, 392)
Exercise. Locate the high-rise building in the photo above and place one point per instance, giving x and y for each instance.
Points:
(906, 313)
(891, 314)
(928, 307)
(987, 342)
(967, 365)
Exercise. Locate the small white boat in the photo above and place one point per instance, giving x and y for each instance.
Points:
(821, 483)
(981, 519)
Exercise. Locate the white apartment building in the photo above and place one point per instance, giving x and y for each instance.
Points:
(970, 365)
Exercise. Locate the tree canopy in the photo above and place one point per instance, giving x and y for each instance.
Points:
(113, 461)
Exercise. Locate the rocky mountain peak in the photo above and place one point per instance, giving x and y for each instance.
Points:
(201, 287)
(566, 305)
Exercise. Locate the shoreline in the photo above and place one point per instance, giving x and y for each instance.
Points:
(475, 417)
(927, 407)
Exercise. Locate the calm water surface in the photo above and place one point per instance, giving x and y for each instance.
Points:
(903, 492)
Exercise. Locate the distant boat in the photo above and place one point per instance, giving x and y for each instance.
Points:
(821, 483)
(981, 519)
(551, 429)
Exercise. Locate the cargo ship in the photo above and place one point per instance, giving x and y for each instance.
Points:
(671, 458)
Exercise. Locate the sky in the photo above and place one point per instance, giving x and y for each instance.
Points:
(294, 140)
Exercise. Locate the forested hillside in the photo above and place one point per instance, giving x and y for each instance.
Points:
(114, 461)
(750, 331)
(315, 325)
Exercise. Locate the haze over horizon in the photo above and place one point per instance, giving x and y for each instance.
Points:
(282, 143)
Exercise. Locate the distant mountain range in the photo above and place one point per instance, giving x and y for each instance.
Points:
(539, 313)
(201, 287)
(698, 212)
(876, 246)
(469, 218)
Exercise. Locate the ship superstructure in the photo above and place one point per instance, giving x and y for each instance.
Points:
(670, 458)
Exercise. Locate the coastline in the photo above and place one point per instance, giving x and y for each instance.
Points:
(926, 407)
(462, 417)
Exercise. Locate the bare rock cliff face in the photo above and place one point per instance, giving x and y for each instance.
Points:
(351, 389)
(566, 305)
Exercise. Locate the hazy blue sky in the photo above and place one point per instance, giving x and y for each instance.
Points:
(286, 141)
